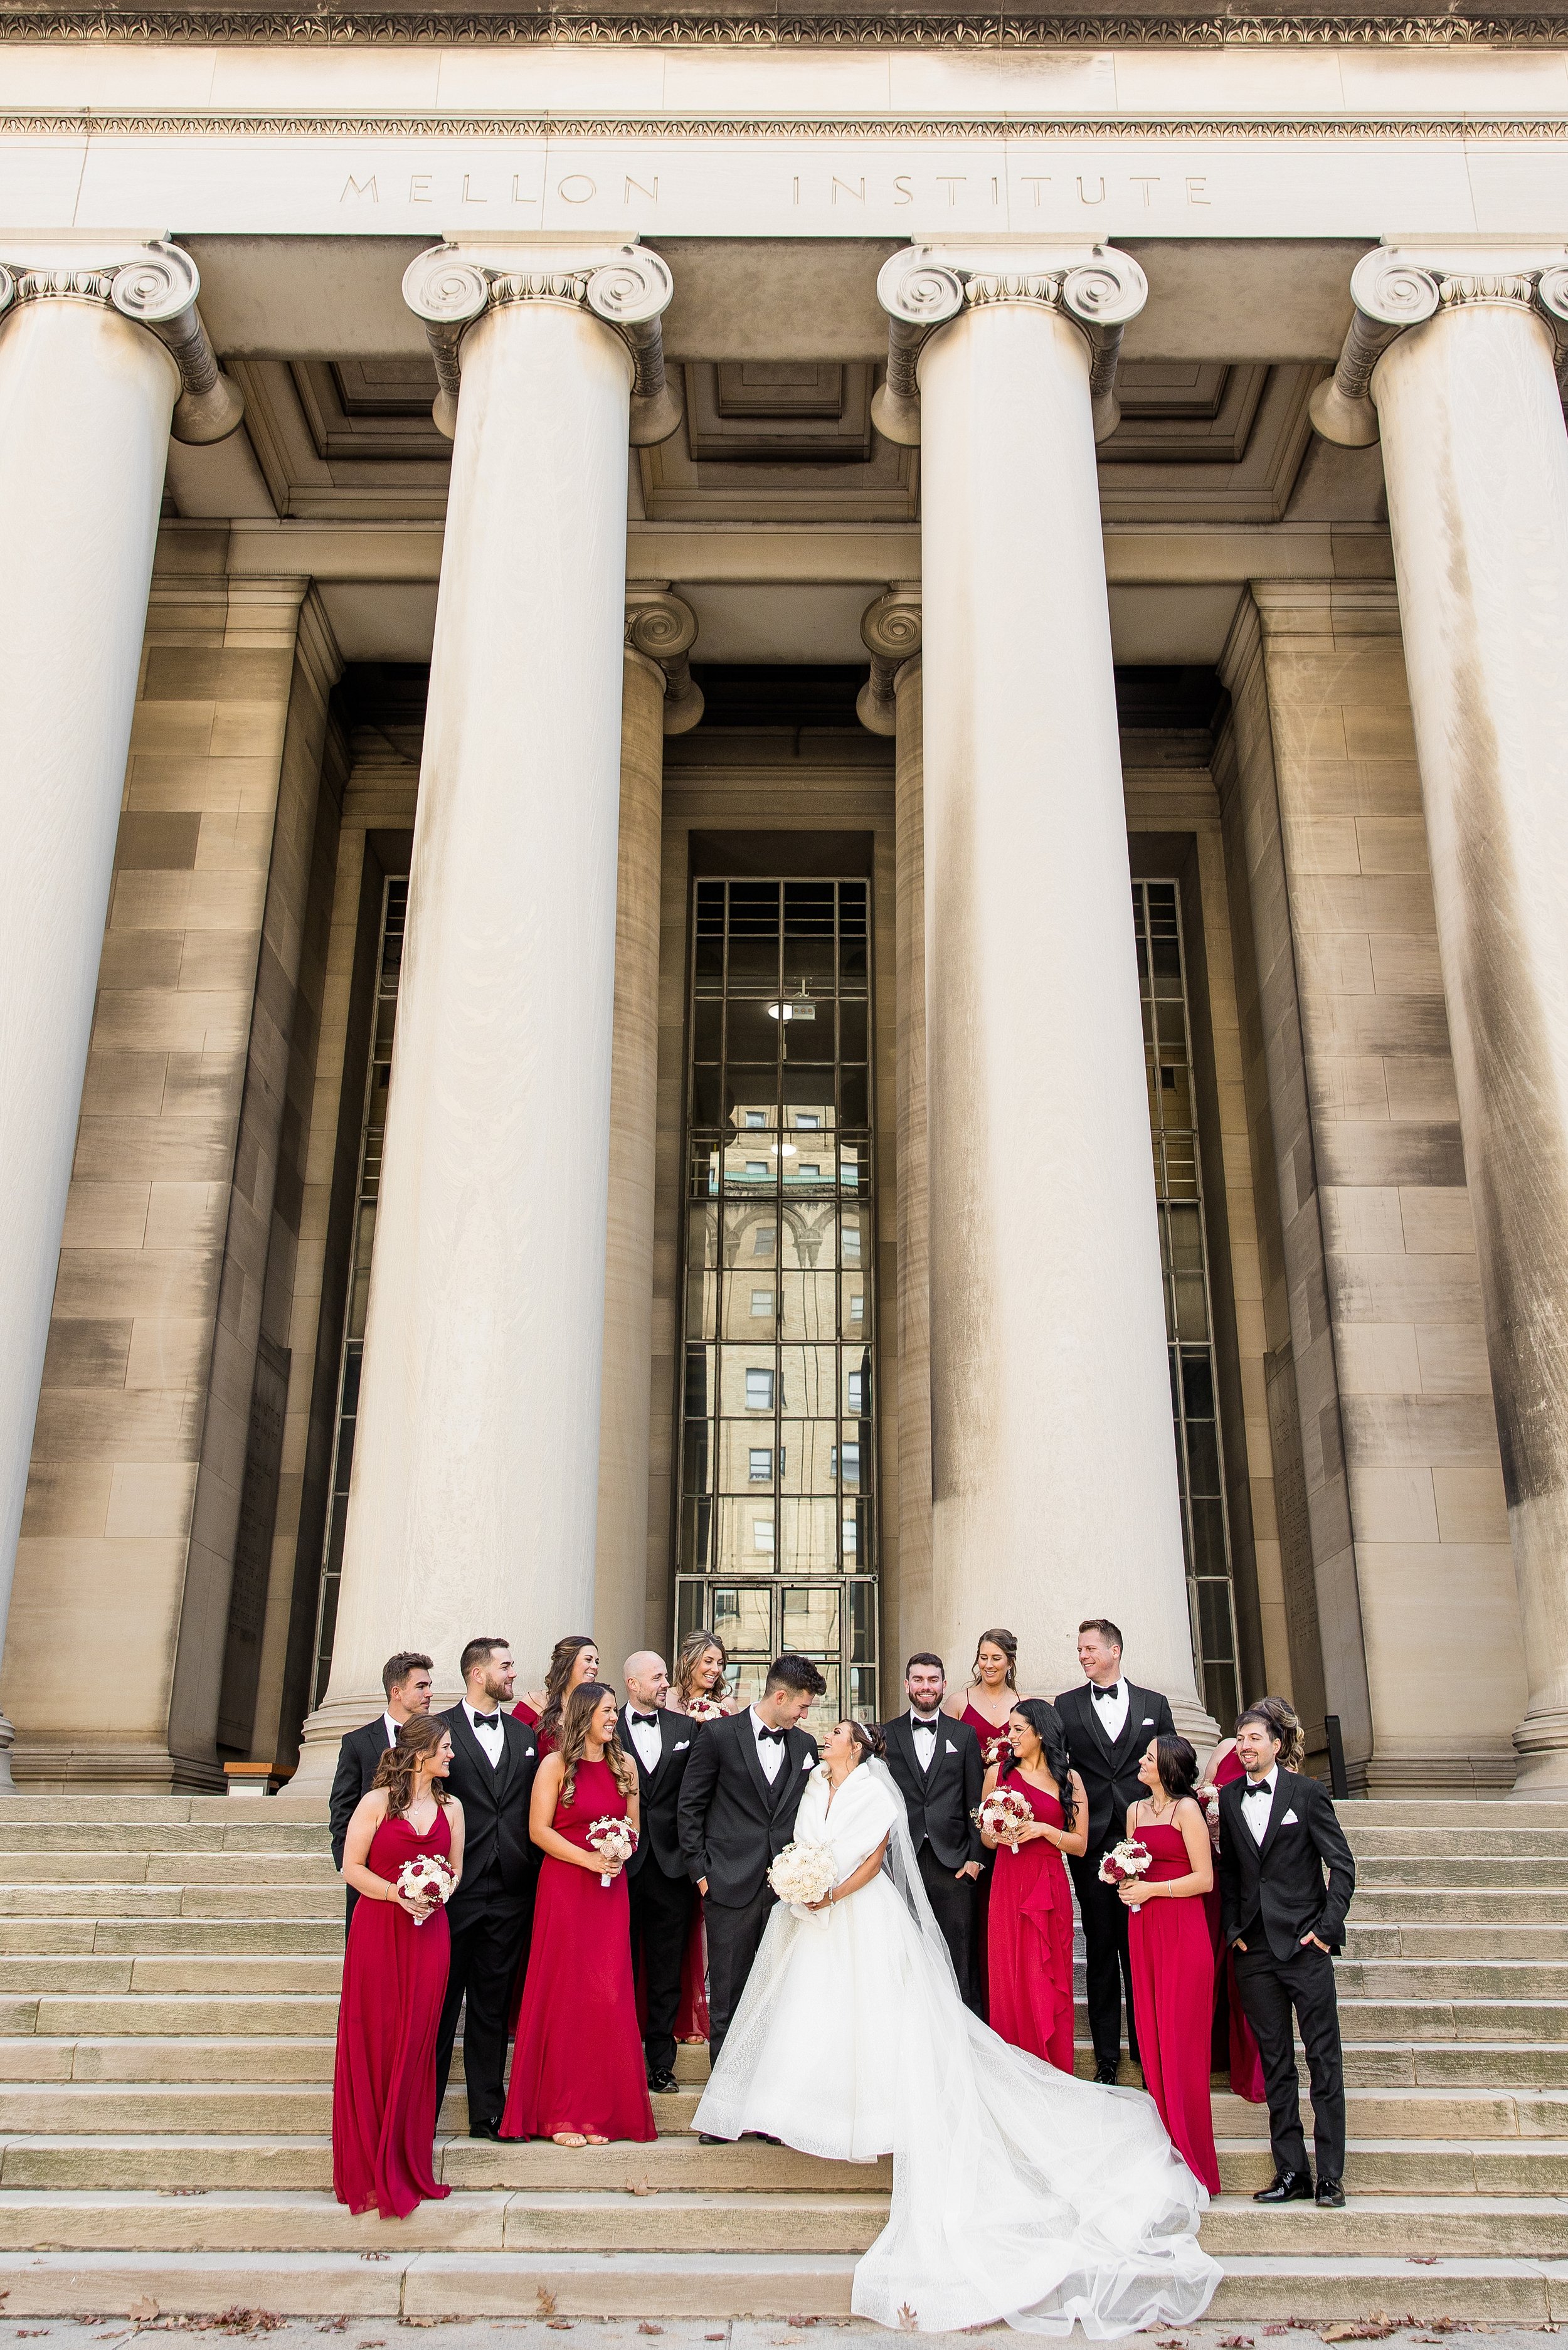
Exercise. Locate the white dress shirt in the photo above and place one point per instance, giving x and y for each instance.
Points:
(1255, 1809)
(925, 1737)
(769, 1750)
(391, 1729)
(1110, 1712)
(492, 1739)
(645, 1738)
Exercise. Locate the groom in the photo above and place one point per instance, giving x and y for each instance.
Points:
(739, 1797)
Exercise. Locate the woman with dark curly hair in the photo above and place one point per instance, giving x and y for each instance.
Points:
(1030, 1927)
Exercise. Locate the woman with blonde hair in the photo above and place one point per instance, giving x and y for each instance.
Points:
(574, 1662)
(578, 2074)
(394, 1978)
(1234, 2045)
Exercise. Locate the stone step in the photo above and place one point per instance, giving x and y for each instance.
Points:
(417, 2283)
(319, 1904)
(1423, 1938)
(231, 1975)
(175, 1936)
(564, 2219)
(115, 1867)
(1531, 2020)
(233, 1827)
(1419, 1978)
(1421, 1905)
(240, 2062)
(1546, 1872)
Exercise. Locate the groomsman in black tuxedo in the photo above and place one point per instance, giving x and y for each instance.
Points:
(936, 1764)
(1109, 1722)
(1278, 1833)
(406, 1677)
(741, 1792)
(493, 1762)
(662, 1892)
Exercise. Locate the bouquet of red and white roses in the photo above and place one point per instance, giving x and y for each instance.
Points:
(1004, 1812)
(613, 1839)
(1127, 1859)
(703, 1709)
(425, 1877)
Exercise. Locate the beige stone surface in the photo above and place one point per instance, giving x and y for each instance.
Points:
(1398, 1445)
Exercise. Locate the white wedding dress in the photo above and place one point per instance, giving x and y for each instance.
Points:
(1019, 2193)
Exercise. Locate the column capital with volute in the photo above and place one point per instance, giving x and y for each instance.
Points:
(1404, 283)
(926, 286)
(663, 630)
(452, 287)
(148, 281)
(890, 632)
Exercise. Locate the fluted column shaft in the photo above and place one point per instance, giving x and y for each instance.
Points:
(1054, 1468)
(476, 1464)
(1477, 468)
(915, 1595)
(86, 399)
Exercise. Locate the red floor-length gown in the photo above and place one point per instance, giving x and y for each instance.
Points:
(383, 2083)
(1173, 2000)
(578, 2062)
(1030, 1939)
(993, 1748)
(1234, 2043)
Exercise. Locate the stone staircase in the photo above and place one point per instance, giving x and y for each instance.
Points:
(168, 1972)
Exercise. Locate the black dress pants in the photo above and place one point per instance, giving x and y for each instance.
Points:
(660, 1908)
(1271, 1989)
(734, 1937)
(954, 1905)
(1108, 1964)
(489, 1941)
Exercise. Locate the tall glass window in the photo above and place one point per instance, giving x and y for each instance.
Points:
(1189, 1320)
(394, 911)
(778, 1540)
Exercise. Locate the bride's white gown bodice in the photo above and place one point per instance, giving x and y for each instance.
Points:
(1019, 2193)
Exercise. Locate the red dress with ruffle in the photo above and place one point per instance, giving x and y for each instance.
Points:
(383, 2082)
(1030, 1934)
(1173, 1997)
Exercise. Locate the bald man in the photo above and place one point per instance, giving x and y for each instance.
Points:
(661, 1891)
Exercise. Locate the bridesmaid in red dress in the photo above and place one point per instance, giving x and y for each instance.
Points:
(394, 1979)
(986, 1704)
(1172, 1956)
(700, 1691)
(578, 2074)
(574, 1662)
(1031, 1918)
(1234, 2043)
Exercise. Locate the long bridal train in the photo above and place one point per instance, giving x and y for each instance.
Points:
(1019, 2193)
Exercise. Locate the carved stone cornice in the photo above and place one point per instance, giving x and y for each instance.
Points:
(1098, 293)
(876, 28)
(1394, 292)
(156, 287)
(663, 628)
(450, 291)
(890, 633)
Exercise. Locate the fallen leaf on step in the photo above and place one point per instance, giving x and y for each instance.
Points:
(1237, 2342)
(1376, 2329)
(546, 2302)
(646, 2328)
(642, 2187)
(559, 2324)
(142, 2308)
(1422, 2259)
(908, 2319)
(375, 2256)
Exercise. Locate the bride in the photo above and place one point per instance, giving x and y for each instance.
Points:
(1019, 2193)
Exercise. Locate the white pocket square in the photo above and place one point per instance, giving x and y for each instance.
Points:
(1147, 1722)
(950, 1747)
(808, 1764)
(681, 1745)
(1290, 1821)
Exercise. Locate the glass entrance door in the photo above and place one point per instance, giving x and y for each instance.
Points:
(777, 1544)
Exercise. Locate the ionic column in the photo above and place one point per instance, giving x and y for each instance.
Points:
(659, 697)
(99, 340)
(891, 703)
(1053, 1469)
(1452, 360)
(475, 1476)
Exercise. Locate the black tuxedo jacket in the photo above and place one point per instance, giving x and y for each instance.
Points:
(732, 1822)
(1279, 1882)
(495, 1807)
(659, 1792)
(358, 1756)
(1109, 1773)
(941, 1801)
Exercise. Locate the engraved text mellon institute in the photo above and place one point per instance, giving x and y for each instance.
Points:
(493, 188)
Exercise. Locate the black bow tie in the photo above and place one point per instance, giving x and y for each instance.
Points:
(651, 1720)
(932, 1726)
(487, 1721)
(1108, 1694)
(778, 1736)
(1257, 1787)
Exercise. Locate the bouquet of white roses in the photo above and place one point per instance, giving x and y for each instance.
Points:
(612, 1839)
(802, 1873)
(427, 1878)
(1128, 1858)
(1003, 1813)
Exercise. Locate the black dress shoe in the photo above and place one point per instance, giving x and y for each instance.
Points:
(1330, 2195)
(485, 2130)
(1289, 2186)
(1105, 2074)
(659, 2084)
(706, 2137)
